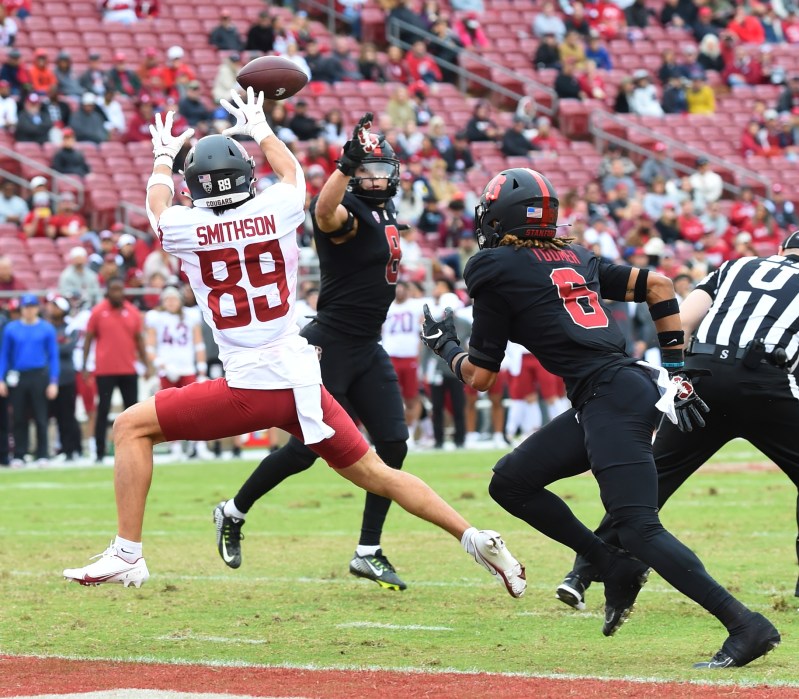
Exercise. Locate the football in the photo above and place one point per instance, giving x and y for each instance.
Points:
(277, 77)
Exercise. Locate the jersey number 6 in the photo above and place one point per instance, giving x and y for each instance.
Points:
(580, 302)
(256, 277)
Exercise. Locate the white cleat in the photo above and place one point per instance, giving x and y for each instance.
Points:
(110, 568)
(489, 551)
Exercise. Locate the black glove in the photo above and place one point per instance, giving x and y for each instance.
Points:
(440, 335)
(359, 147)
(689, 406)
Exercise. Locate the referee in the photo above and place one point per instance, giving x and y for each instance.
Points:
(744, 319)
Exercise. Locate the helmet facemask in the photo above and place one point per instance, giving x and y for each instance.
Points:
(381, 165)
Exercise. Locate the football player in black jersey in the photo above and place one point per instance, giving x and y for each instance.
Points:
(540, 291)
(356, 237)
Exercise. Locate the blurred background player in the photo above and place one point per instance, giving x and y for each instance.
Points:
(401, 342)
(272, 375)
(175, 347)
(357, 240)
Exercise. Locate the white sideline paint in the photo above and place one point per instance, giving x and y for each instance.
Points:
(209, 639)
(149, 659)
(142, 694)
(392, 627)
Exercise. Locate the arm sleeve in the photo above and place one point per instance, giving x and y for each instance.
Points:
(490, 331)
(710, 284)
(613, 281)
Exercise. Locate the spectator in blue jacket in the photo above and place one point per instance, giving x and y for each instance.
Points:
(29, 371)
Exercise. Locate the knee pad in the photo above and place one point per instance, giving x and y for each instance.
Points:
(392, 453)
(502, 490)
(642, 523)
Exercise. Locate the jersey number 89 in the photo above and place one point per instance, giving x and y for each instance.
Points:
(256, 277)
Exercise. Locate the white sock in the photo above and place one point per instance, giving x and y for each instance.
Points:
(230, 510)
(362, 550)
(466, 540)
(129, 551)
(532, 418)
(515, 415)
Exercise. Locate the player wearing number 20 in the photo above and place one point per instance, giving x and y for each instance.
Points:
(356, 238)
(538, 290)
(245, 287)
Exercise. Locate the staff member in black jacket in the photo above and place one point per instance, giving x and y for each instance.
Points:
(62, 407)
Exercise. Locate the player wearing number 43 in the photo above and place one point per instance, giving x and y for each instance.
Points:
(246, 288)
(356, 237)
(538, 290)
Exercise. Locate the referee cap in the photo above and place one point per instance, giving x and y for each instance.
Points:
(792, 241)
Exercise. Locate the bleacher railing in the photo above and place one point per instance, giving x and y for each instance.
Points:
(601, 126)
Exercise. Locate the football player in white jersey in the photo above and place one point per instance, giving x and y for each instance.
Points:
(175, 347)
(240, 254)
(402, 344)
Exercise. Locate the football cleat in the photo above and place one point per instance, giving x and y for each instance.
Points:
(228, 536)
(751, 641)
(376, 567)
(622, 584)
(572, 591)
(110, 568)
(489, 551)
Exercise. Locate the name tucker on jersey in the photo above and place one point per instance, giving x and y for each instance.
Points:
(227, 231)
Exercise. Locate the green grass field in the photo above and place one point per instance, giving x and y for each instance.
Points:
(293, 602)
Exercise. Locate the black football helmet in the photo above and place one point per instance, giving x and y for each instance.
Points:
(381, 163)
(520, 201)
(219, 172)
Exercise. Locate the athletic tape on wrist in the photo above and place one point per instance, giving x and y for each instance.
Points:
(165, 160)
(159, 178)
(261, 131)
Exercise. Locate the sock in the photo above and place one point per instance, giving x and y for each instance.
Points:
(362, 550)
(230, 510)
(466, 540)
(515, 417)
(498, 436)
(129, 551)
(532, 418)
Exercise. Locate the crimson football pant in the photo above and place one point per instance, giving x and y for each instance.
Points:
(758, 405)
(610, 435)
(360, 376)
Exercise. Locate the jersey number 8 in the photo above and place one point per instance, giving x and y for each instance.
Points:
(256, 277)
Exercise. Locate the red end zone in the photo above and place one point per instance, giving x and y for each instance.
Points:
(25, 676)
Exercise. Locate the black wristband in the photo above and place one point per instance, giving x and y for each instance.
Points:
(449, 351)
(662, 309)
(672, 359)
(669, 339)
(457, 368)
(639, 294)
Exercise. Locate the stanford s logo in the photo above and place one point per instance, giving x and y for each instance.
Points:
(493, 187)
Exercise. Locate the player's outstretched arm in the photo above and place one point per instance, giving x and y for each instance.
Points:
(251, 121)
(160, 187)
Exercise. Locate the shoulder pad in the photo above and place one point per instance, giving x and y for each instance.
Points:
(480, 272)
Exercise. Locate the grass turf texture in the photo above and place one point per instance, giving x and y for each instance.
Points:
(293, 601)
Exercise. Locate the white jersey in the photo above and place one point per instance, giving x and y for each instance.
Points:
(79, 322)
(242, 266)
(174, 341)
(401, 329)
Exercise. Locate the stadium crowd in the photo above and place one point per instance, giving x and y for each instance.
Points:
(634, 209)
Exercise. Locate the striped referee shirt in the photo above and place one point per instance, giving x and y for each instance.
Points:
(754, 297)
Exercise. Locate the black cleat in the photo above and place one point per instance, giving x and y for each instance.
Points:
(623, 582)
(228, 536)
(376, 567)
(572, 591)
(795, 594)
(751, 641)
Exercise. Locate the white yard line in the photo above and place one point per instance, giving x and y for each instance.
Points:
(391, 627)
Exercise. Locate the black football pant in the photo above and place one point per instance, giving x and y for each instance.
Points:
(454, 387)
(3, 431)
(761, 406)
(63, 410)
(128, 385)
(610, 435)
(360, 376)
(28, 398)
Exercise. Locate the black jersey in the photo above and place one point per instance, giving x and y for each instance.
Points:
(358, 278)
(549, 301)
(754, 298)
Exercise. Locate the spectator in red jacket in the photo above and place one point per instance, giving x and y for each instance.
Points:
(41, 76)
(68, 222)
(743, 69)
(421, 65)
(607, 18)
(147, 9)
(470, 32)
(139, 124)
(747, 28)
(174, 68)
(743, 210)
(396, 70)
(691, 228)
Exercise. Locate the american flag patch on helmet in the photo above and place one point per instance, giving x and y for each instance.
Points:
(204, 178)
(535, 212)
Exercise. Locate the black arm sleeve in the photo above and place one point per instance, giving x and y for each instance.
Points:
(490, 331)
(613, 281)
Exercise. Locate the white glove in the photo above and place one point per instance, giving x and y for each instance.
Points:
(250, 117)
(166, 146)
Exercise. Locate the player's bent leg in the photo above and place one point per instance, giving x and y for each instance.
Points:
(415, 496)
(136, 430)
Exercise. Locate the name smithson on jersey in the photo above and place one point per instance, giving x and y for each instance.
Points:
(236, 229)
